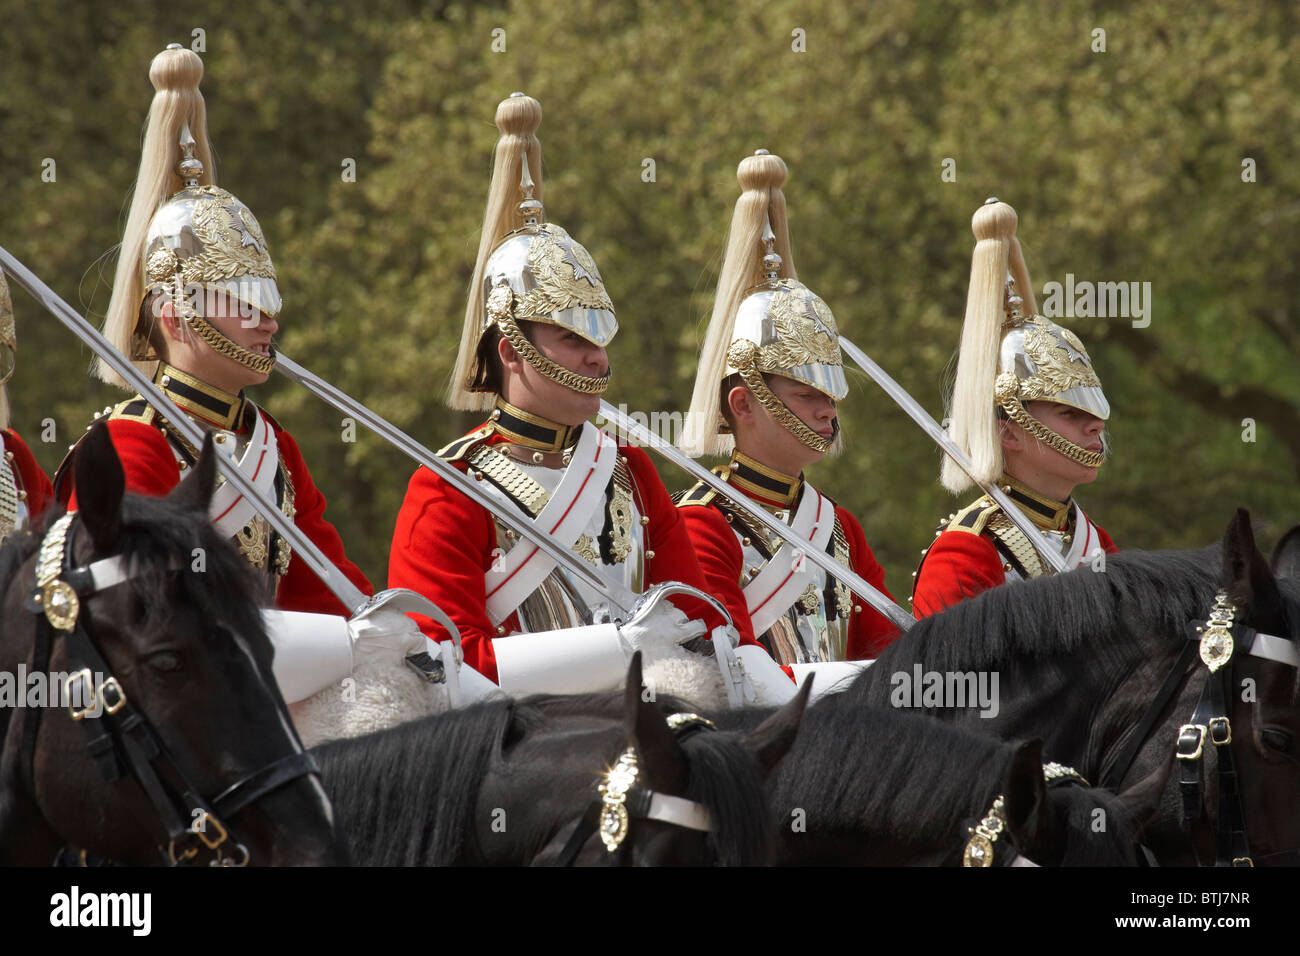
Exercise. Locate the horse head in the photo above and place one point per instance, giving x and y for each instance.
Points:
(163, 728)
(1055, 818)
(1261, 694)
(631, 780)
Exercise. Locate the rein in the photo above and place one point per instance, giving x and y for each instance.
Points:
(621, 801)
(1217, 642)
(120, 738)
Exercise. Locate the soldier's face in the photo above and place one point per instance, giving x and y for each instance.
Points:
(761, 436)
(1045, 469)
(248, 328)
(527, 388)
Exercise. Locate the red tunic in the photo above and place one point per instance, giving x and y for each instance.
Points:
(959, 565)
(722, 559)
(29, 475)
(151, 469)
(443, 546)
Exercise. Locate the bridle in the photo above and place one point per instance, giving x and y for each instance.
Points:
(982, 847)
(118, 736)
(1218, 641)
(621, 801)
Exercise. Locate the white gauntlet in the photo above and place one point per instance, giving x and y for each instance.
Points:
(313, 651)
(832, 676)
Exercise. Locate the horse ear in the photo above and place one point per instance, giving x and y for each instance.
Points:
(1024, 794)
(773, 738)
(100, 484)
(660, 757)
(1249, 582)
(195, 490)
(1286, 556)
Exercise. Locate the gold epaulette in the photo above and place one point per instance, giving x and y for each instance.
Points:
(974, 517)
(701, 494)
(462, 446)
(132, 410)
(985, 516)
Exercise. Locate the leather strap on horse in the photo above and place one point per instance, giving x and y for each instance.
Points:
(1217, 641)
(1113, 776)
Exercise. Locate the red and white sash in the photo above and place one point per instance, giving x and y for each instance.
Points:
(580, 493)
(780, 583)
(230, 510)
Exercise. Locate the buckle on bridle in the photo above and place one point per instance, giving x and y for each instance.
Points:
(213, 840)
(1220, 731)
(200, 829)
(87, 696)
(1191, 741)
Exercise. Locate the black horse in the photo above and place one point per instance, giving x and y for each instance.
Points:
(1081, 657)
(176, 738)
(510, 782)
(875, 786)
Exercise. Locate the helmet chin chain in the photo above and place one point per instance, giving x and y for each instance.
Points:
(586, 384)
(261, 364)
(743, 355)
(1017, 412)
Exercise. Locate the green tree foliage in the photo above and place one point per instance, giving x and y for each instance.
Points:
(1125, 165)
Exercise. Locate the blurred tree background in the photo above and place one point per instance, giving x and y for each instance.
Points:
(1124, 164)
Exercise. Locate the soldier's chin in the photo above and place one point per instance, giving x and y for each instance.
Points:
(584, 407)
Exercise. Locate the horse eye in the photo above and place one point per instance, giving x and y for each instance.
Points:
(1276, 740)
(167, 661)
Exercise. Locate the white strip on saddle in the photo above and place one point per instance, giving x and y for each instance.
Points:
(230, 510)
(780, 584)
(572, 506)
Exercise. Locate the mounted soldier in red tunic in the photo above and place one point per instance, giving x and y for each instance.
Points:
(532, 357)
(769, 378)
(1029, 412)
(194, 305)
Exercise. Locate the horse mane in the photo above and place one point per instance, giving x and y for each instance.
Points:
(897, 791)
(157, 538)
(897, 794)
(1140, 601)
(724, 776)
(418, 781)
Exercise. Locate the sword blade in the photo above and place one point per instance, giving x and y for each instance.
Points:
(621, 597)
(348, 593)
(941, 438)
(828, 564)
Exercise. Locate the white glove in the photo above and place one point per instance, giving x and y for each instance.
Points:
(661, 623)
(312, 651)
(386, 635)
(832, 676)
